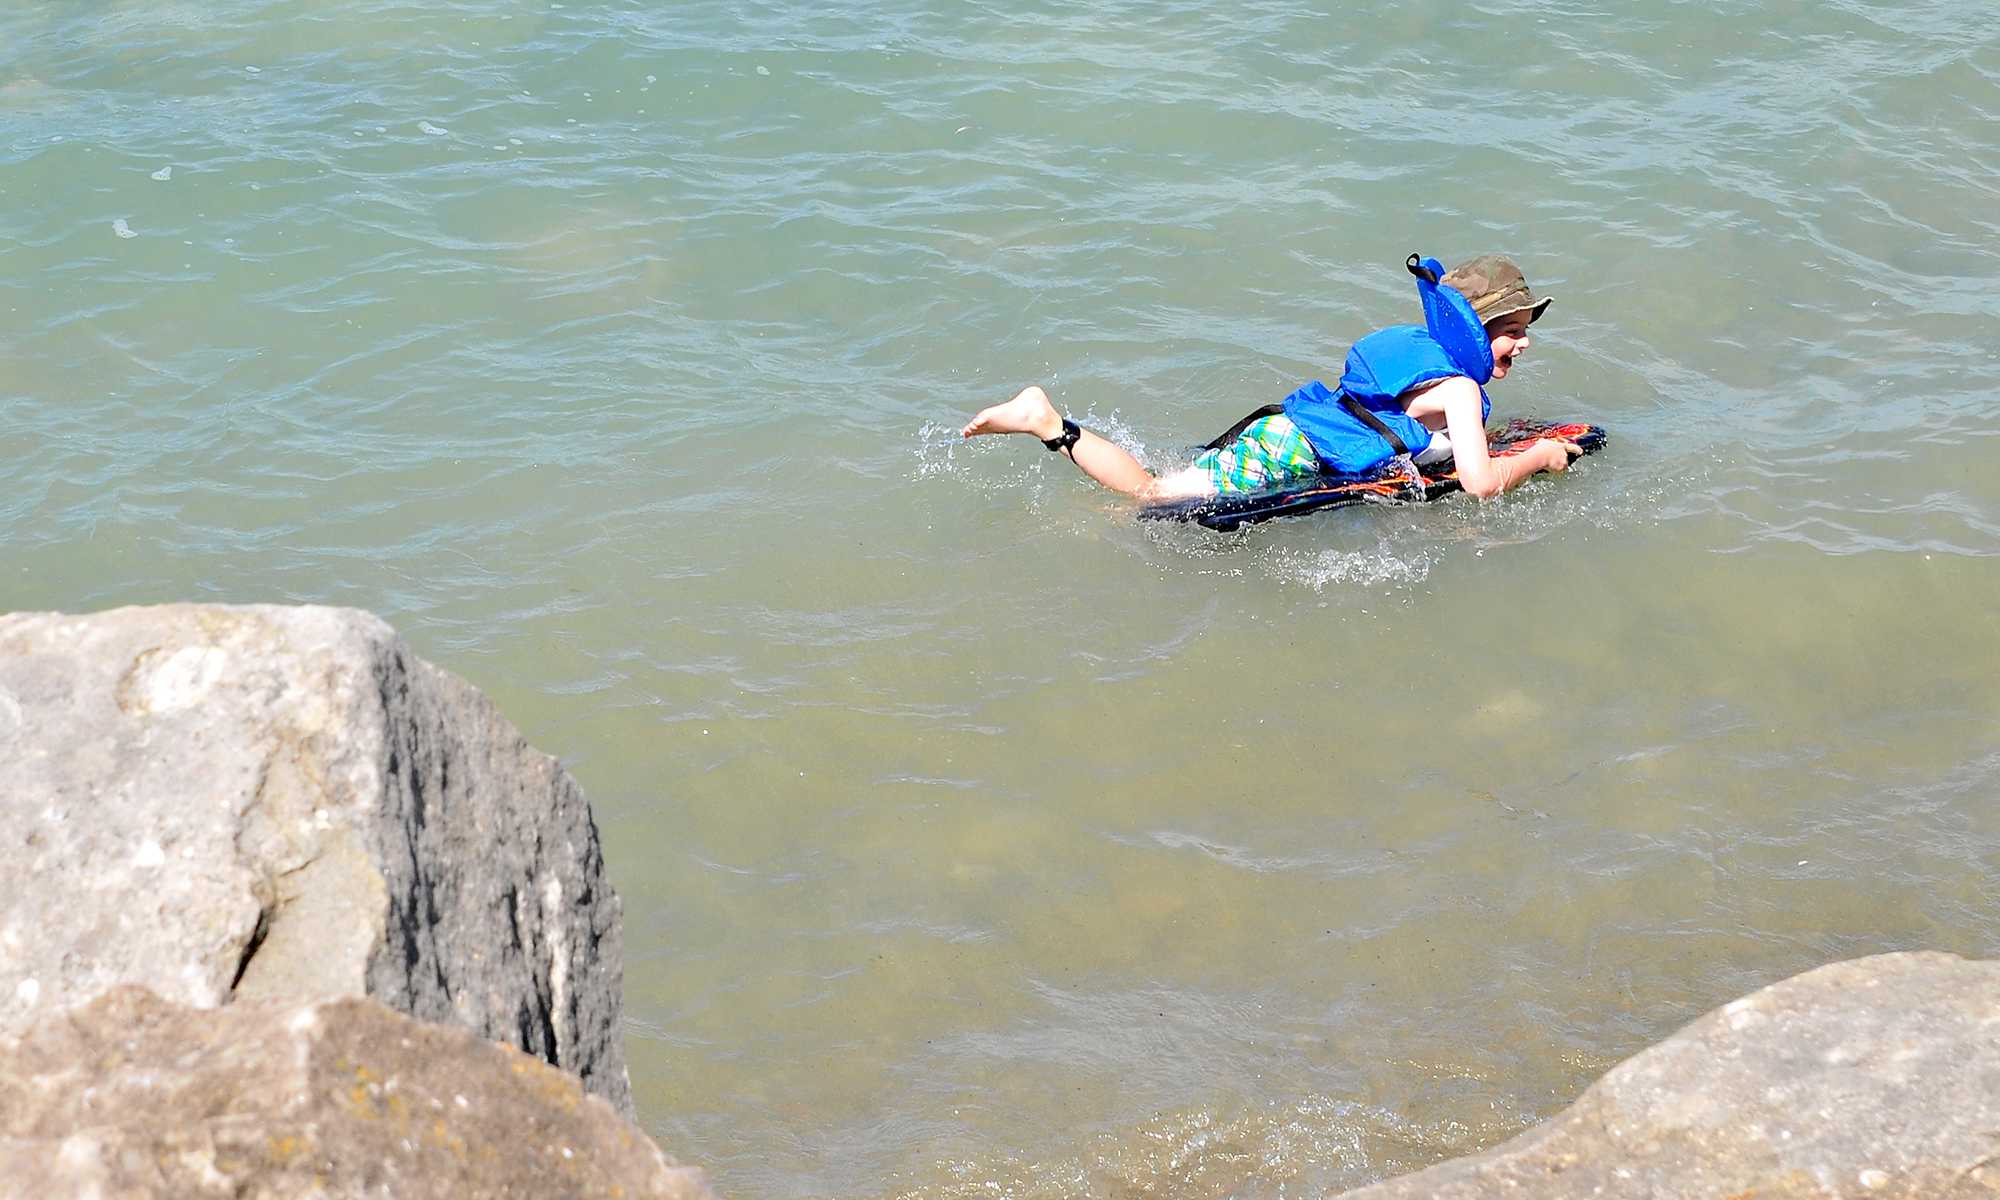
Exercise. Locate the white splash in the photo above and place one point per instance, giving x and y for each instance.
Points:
(1321, 569)
(164, 174)
(937, 455)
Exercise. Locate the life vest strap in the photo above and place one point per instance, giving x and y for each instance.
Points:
(1362, 414)
(1236, 430)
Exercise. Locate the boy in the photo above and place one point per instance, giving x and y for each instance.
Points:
(1409, 389)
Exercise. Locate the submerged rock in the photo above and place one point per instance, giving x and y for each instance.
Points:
(1878, 1077)
(130, 1095)
(224, 802)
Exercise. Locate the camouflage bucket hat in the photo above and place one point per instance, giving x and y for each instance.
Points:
(1495, 286)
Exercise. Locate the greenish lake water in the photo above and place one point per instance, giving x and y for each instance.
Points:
(977, 840)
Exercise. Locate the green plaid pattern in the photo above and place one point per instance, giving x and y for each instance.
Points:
(1268, 450)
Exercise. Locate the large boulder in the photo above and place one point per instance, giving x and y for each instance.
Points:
(223, 802)
(132, 1096)
(1878, 1078)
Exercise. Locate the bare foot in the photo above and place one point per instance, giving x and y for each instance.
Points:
(1029, 412)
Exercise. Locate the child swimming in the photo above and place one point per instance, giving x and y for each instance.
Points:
(1413, 390)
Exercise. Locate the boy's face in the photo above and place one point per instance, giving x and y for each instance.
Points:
(1509, 335)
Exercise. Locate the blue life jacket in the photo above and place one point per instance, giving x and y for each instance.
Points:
(1386, 364)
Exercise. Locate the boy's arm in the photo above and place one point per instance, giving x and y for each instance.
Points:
(1481, 474)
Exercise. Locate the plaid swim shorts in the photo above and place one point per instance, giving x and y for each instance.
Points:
(1269, 450)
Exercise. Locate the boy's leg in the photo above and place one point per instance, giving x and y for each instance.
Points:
(1188, 481)
(1032, 412)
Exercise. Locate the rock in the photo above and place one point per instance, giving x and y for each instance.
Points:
(1878, 1078)
(132, 1096)
(227, 802)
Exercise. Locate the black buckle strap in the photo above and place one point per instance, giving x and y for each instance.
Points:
(1065, 439)
(1358, 412)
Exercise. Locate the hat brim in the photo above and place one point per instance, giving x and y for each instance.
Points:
(1535, 308)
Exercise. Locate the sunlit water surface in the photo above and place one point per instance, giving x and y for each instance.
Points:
(976, 839)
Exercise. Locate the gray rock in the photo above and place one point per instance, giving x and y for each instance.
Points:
(1878, 1078)
(132, 1096)
(224, 802)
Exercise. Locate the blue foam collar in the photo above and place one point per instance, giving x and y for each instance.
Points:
(1451, 322)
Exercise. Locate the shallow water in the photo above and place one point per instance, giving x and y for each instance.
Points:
(975, 838)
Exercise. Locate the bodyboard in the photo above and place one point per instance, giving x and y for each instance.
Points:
(1387, 483)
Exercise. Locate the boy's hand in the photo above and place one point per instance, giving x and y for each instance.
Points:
(1558, 452)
